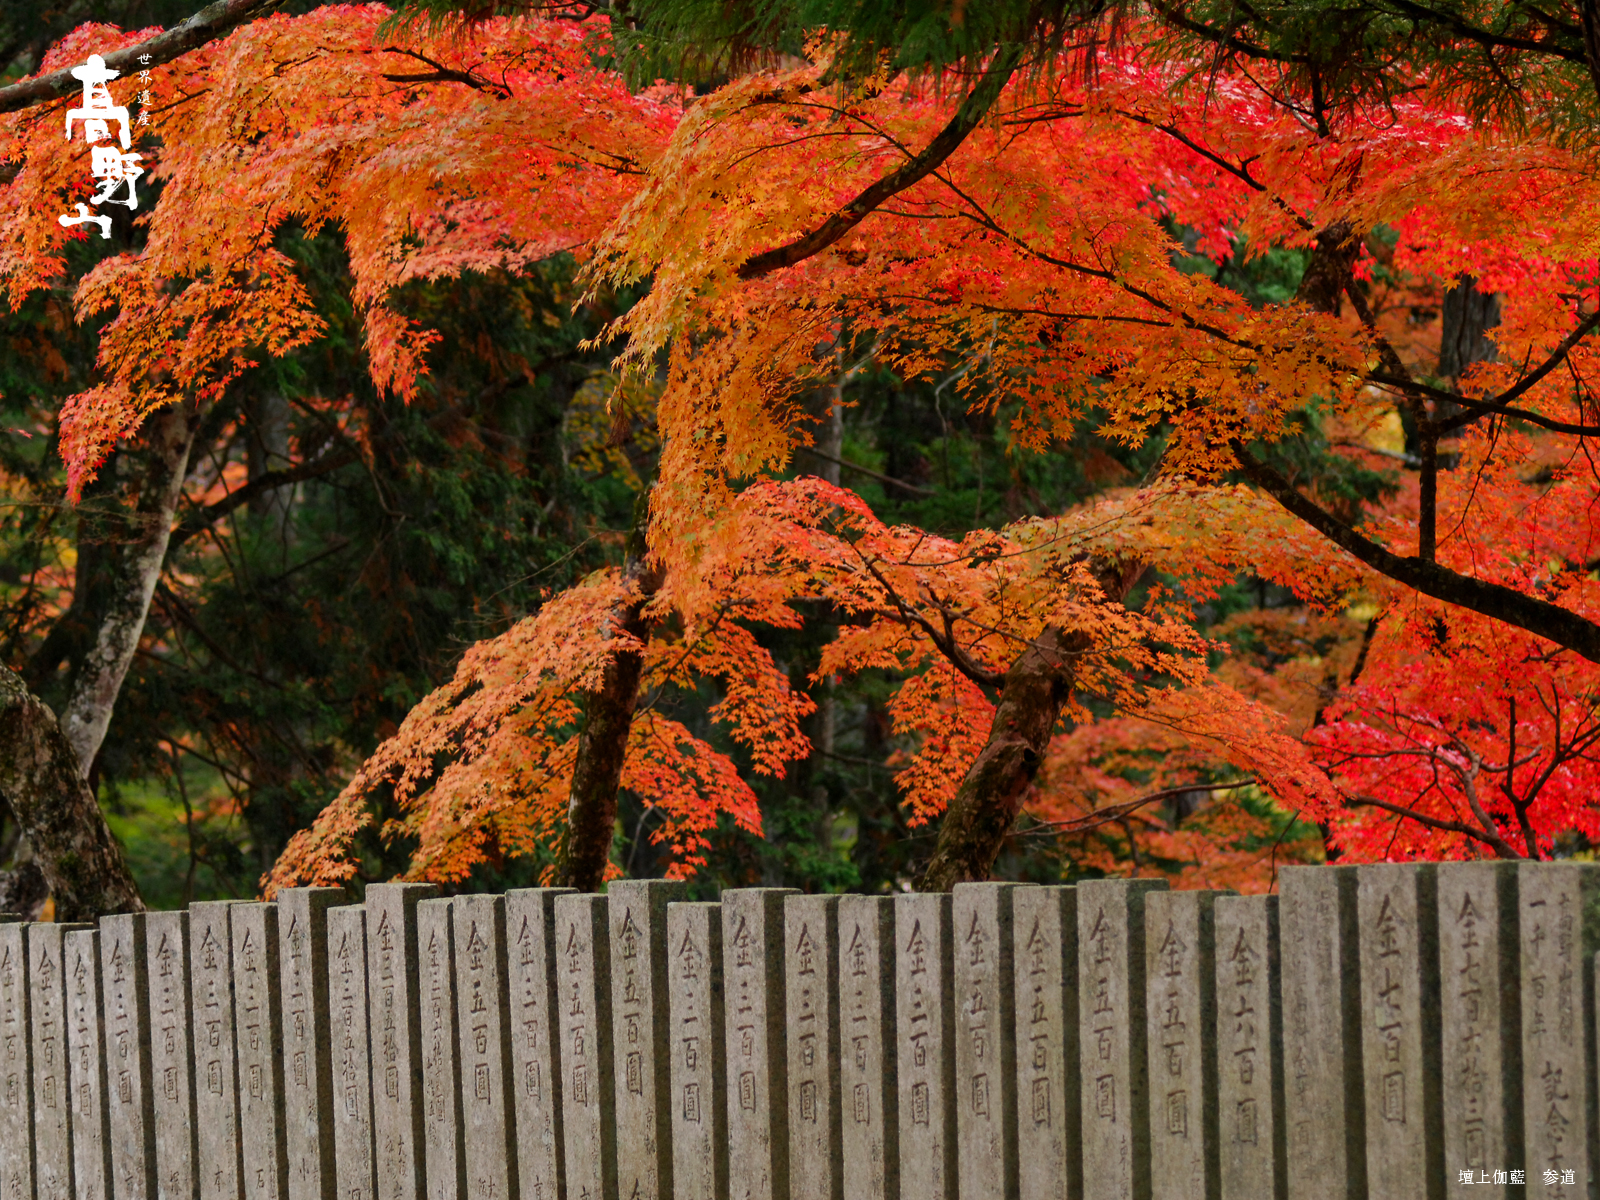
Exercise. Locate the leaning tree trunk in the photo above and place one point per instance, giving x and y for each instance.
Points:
(41, 778)
(1031, 698)
(45, 765)
(134, 566)
(603, 744)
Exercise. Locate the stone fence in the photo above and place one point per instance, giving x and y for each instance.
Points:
(1382, 1031)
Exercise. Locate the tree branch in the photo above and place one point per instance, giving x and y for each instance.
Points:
(968, 115)
(1538, 617)
(206, 25)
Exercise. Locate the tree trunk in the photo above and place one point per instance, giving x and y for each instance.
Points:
(1031, 698)
(134, 566)
(42, 779)
(1467, 316)
(603, 744)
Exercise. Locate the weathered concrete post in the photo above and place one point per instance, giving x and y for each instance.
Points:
(1396, 906)
(811, 940)
(488, 1126)
(308, 1071)
(16, 1064)
(869, 1089)
(588, 1115)
(1049, 1100)
(1181, 1014)
(444, 1152)
(349, 1039)
(925, 1006)
(259, 1031)
(1556, 902)
(91, 1129)
(397, 1119)
(125, 980)
(640, 1028)
(758, 1083)
(216, 1115)
(535, 1048)
(985, 1041)
(1481, 1043)
(1113, 1034)
(1254, 1163)
(52, 1075)
(172, 1056)
(698, 1071)
(1326, 1128)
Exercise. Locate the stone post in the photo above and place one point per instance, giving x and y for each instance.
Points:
(219, 1165)
(125, 980)
(308, 1069)
(811, 937)
(697, 1072)
(1049, 1101)
(985, 1042)
(588, 1116)
(52, 1076)
(869, 1090)
(758, 1085)
(396, 1038)
(444, 1153)
(172, 1056)
(349, 1040)
(16, 1064)
(488, 1126)
(1396, 905)
(1482, 1055)
(91, 1129)
(925, 1006)
(258, 1022)
(1113, 1036)
(535, 1052)
(1254, 1162)
(1323, 1082)
(638, 918)
(1556, 904)
(1181, 1015)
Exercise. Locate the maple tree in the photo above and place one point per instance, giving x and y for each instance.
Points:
(1010, 224)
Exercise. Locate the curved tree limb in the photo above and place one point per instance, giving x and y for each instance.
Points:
(1539, 617)
(967, 118)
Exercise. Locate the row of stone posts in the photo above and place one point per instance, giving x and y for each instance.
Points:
(1399, 1031)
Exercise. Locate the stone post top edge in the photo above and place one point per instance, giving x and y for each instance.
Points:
(647, 884)
(536, 892)
(1530, 866)
(824, 899)
(313, 893)
(693, 905)
(874, 900)
(989, 885)
(762, 891)
(1235, 899)
(1307, 870)
(1479, 865)
(1125, 885)
(581, 899)
(405, 891)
